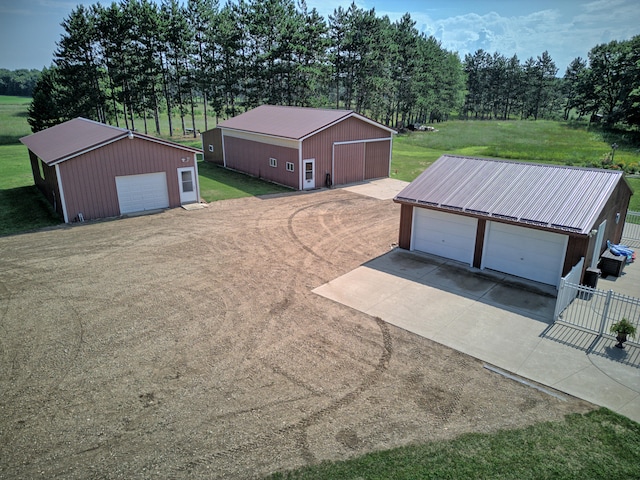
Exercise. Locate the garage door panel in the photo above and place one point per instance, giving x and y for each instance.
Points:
(444, 234)
(137, 193)
(533, 254)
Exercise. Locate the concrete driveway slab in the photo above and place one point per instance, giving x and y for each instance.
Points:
(497, 319)
(382, 188)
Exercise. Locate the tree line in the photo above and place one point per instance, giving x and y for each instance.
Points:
(133, 62)
(605, 87)
(140, 60)
(19, 83)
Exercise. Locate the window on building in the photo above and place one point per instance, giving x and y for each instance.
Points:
(273, 162)
(210, 148)
(290, 167)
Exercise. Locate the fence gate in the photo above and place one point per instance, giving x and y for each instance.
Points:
(566, 294)
(631, 231)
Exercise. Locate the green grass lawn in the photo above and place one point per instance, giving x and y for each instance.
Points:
(539, 142)
(218, 183)
(598, 445)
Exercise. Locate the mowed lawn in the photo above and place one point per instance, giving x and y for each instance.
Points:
(601, 444)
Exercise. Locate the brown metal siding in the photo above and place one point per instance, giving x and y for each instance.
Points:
(480, 233)
(618, 203)
(89, 180)
(348, 162)
(212, 137)
(320, 146)
(376, 159)
(576, 249)
(406, 223)
(253, 158)
(47, 185)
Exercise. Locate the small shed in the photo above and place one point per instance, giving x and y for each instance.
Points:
(529, 220)
(90, 170)
(303, 148)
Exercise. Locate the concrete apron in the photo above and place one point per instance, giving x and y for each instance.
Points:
(501, 320)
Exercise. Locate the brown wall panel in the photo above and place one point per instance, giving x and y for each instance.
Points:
(480, 233)
(406, 223)
(212, 138)
(320, 145)
(89, 180)
(48, 184)
(376, 163)
(348, 163)
(253, 158)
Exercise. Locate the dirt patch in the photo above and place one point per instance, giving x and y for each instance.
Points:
(189, 344)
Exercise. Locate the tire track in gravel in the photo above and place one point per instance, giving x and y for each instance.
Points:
(299, 428)
(369, 382)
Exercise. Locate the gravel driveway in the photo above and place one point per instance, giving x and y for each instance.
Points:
(189, 344)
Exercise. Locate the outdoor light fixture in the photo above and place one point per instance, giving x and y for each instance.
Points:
(130, 135)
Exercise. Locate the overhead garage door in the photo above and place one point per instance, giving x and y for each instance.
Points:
(348, 163)
(533, 254)
(444, 234)
(142, 192)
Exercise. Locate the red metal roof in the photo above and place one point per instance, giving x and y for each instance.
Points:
(290, 122)
(552, 196)
(74, 137)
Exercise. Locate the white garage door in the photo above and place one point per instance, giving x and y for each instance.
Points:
(142, 192)
(524, 252)
(444, 234)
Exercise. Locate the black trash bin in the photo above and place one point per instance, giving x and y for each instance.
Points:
(590, 280)
(591, 277)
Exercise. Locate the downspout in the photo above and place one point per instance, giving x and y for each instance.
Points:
(300, 167)
(224, 151)
(390, 152)
(195, 164)
(63, 202)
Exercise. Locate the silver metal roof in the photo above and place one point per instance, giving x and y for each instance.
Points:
(550, 196)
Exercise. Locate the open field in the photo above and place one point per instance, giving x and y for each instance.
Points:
(538, 142)
(189, 344)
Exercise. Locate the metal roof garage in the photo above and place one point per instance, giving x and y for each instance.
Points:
(529, 220)
(90, 170)
(303, 148)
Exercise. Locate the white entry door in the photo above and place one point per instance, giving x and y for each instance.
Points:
(308, 170)
(187, 182)
(142, 192)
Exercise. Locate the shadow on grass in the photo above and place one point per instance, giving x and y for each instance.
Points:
(24, 209)
(219, 183)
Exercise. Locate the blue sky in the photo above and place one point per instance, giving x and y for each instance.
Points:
(29, 29)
